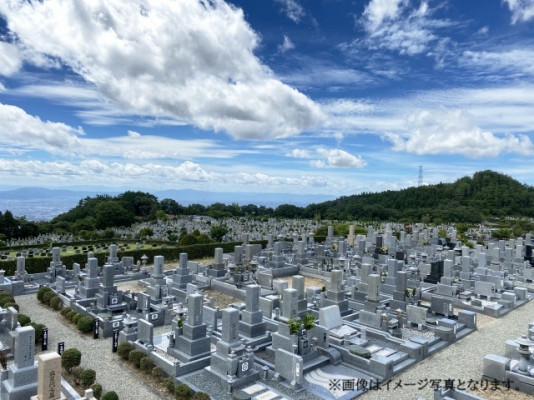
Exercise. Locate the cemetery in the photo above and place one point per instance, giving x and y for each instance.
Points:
(379, 303)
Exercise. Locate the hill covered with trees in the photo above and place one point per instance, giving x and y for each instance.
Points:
(484, 196)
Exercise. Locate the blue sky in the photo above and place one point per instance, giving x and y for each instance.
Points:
(292, 96)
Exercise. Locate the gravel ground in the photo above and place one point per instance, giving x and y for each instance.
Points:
(96, 355)
(463, 360)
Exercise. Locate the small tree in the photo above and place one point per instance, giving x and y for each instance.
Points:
(87, 378)
(111, 396)
(294, 326)
(71, 358)
(65, 311)
(308, 321)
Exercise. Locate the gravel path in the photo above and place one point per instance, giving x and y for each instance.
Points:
(463, 360)
(96, 355)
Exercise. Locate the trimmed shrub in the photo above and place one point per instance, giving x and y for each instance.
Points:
(71, 358)
(85, 324)
(201, 396)
(71, 314)
(65, 310)
(111, 396)
(146, 364)
(97, 390)
(47, 297)
(123, 350)
(135, 357)
(182, 392)
(5, 300)
(76, 318)
(157, 373)
(5, 294)
(169, 384)
(11, 304)
(87, 378)
(24, 319)
(56, 303)
(41, 292)
(38, 331)
(76, 372)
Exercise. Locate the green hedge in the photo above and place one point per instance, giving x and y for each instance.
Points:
(195, 251)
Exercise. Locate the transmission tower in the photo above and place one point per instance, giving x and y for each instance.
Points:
(420, 180)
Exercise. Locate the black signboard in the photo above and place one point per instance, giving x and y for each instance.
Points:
(60, 348)
(44, 339)
(96, 326)
(115, 340)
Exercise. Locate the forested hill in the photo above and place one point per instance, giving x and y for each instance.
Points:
(487, 194)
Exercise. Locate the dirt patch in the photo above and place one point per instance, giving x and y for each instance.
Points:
(307, 281)
(132, 286)
(221, 300)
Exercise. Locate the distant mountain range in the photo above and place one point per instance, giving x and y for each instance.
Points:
(43, 204)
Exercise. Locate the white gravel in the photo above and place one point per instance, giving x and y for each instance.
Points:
(96, 354)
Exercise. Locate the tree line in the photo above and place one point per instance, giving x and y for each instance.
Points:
(486, 195)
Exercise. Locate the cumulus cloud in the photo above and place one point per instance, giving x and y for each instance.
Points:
(337, 158)
(522, 10)
(445, 131)
(286, 45)
(10, 59)
(329, 158)
(191, 60)
(19, 129)
(292, 9)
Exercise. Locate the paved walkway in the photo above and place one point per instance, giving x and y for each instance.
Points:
(96, 354)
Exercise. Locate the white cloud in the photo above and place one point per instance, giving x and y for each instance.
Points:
(286, 45)
(23, 131)
(336, 158)
(522, 10)
(190, 60)
(10, 59)
(395, 26)
(19, 129)
(299, 153)
(347, 106)
(514, 61)
(329, 158)
(378, 11)
(292, 9)
(445, 131)
(2, 87)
